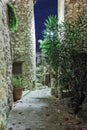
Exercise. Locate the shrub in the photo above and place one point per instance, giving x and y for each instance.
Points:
(65, 46)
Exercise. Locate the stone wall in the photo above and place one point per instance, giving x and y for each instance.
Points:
(23, 41)
(73, 8)
(5, 67)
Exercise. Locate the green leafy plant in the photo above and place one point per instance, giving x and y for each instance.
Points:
(75, 49)
(13, 19)
(50, 42)
(17, 81)
(65, 46)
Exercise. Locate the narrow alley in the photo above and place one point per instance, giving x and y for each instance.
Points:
(38, 110)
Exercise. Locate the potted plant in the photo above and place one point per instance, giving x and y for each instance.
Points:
(17, 87)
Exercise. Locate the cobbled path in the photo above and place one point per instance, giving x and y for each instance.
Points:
(38, 110)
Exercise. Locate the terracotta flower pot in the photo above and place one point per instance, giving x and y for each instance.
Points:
(17, 93)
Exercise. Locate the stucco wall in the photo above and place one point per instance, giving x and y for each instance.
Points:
(5, 67)
(61, 10)
(73, 8)
(23, 41)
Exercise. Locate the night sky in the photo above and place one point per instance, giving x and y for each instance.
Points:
(42, 9)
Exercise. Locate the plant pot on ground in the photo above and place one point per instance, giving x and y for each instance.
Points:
(17, 87)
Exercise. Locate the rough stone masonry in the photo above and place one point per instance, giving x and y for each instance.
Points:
(23, 41)
(5, 66)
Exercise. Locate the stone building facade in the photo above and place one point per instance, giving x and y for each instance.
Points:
(23, 47)
(73, 8)
(23, 43)
(22, 50)
(70, 9)
(5, 66)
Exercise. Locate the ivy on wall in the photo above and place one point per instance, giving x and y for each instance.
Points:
(12, 15)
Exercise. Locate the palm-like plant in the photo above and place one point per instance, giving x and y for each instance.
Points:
(65, 46)
(50, 42)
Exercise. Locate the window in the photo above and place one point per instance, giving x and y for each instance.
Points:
(17, 68)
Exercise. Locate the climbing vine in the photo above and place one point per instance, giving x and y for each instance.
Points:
(13, 20)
